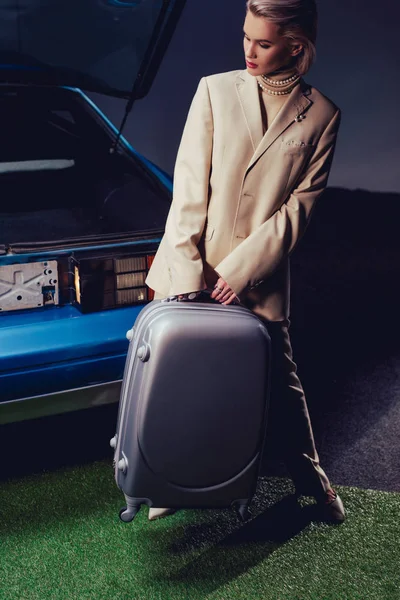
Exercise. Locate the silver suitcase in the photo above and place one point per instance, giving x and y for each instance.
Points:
(193, 407)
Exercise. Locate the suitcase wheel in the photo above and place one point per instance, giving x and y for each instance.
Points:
(128, 514)
(243, 512)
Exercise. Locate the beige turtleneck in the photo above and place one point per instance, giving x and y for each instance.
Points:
(271, 105)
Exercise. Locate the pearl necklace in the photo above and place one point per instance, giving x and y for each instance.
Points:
(290, 83)
(282, 82)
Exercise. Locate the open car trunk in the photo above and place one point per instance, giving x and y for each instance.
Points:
(58, 179)
(57, 206)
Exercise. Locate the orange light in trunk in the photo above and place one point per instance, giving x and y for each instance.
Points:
(77, 284)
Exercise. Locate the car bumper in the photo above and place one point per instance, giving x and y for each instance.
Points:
(59, 402)
(45, 352)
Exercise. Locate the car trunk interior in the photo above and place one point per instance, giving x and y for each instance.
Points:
(59, 181)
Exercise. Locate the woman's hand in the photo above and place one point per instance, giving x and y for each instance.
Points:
(223, 293)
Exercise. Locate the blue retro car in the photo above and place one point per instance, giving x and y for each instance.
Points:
(81, 212)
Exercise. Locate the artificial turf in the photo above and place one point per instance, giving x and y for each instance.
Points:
(61, 539)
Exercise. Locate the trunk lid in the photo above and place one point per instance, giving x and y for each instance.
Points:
(107, 46)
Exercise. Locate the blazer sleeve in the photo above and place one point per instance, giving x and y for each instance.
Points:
(263, 251)
(188, 211)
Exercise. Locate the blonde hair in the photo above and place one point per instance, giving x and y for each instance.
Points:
(297, 20)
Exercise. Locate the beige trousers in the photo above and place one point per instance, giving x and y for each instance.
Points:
(289, 430)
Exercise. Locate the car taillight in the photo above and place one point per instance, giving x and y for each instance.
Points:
(109, 282)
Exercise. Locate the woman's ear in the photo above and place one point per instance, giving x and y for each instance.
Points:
(296, 49)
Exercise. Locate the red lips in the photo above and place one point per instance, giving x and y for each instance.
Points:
(251, 65)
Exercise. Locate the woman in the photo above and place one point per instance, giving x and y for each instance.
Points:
(255, 155)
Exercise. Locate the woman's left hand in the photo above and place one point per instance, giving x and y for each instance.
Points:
(223, 293)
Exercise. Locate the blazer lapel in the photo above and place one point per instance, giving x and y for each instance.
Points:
(247, 89)
(296, 104)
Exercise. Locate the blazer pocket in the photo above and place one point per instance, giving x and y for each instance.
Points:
(209, 233)
(295, 147)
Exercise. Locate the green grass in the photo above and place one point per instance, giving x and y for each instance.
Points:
(61, 539)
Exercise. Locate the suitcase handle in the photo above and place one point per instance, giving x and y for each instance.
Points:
(202, 296)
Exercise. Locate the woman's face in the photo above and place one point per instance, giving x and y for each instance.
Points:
(265, 50)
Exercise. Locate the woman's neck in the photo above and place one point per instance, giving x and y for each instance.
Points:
(282, 73)
(279, 82)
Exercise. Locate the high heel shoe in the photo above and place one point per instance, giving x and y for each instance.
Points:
(331, 507)
(159, 513)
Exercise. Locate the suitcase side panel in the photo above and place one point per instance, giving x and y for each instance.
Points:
(182, 438)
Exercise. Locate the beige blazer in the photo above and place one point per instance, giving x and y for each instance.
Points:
(241, 200)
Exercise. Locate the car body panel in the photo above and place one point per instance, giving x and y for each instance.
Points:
(61, 348)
